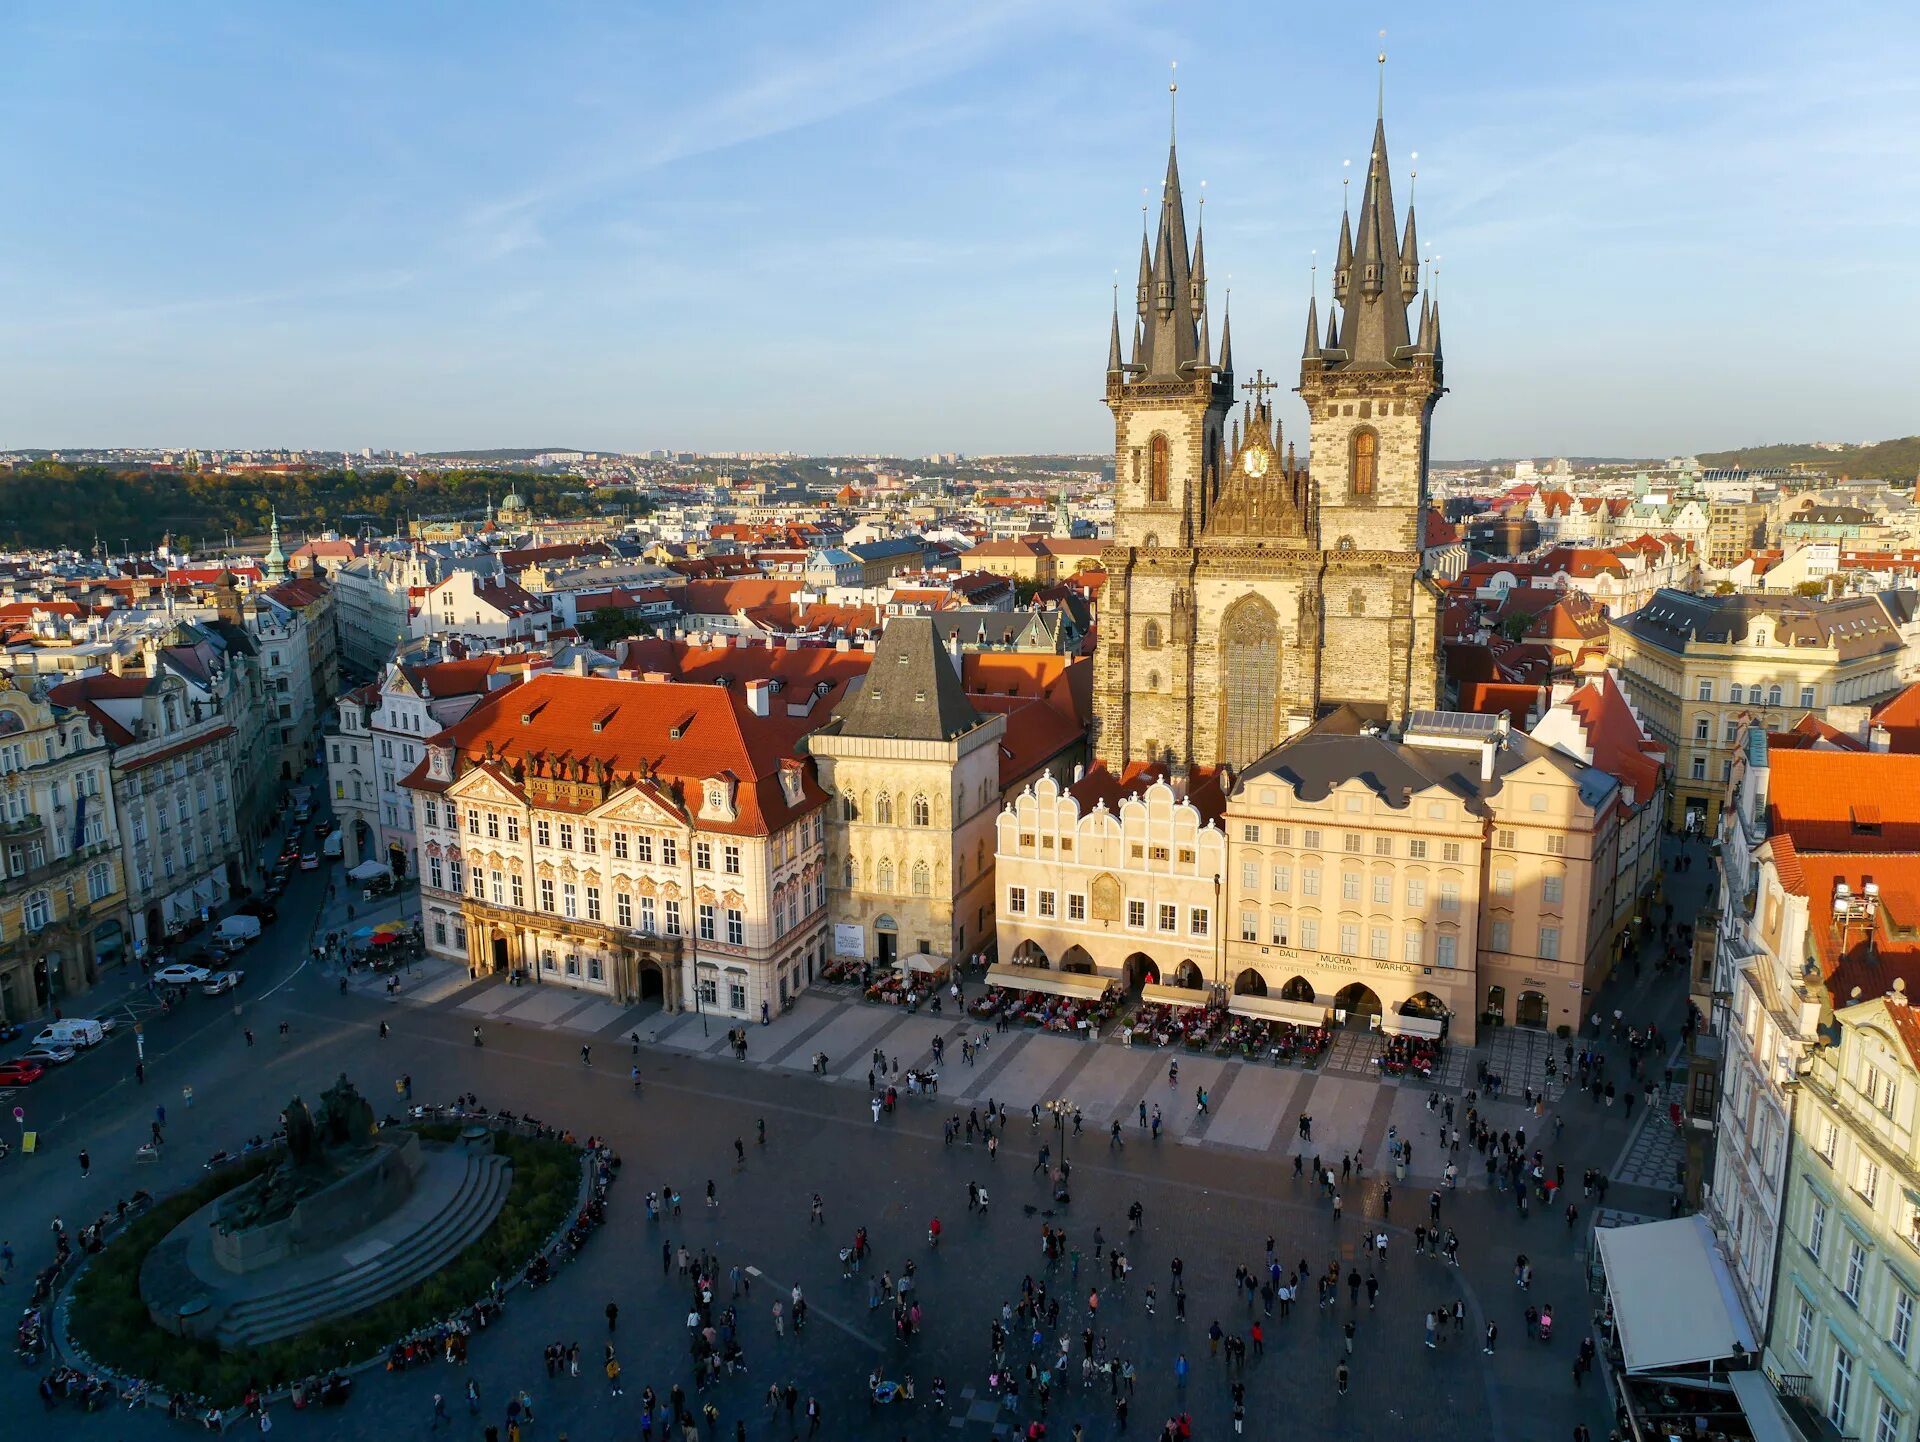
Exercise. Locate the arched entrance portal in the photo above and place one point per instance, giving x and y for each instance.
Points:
(1359, 1002)
(886, 940)
(1187, 974)
(1299, 989)
(1076, 959)
(397, 859)
(1530, 1009)
(1250, 983)
(653, 981)
(1139, 970)
(497, 953)
(1028, 953)
(1424, 1003)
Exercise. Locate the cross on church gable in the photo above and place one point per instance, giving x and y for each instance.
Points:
(1259, 385)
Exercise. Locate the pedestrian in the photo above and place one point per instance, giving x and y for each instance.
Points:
(140, 1072)
(1340, 1375)
(473, 1399)
(440, 1417)
(86, 1164)
(248, 1034)
(1430, 1330)
(186, 1095)
(613, 1317)
(586, 1056)
(1180, 1374)
(1493, 1335)
(613, 1373)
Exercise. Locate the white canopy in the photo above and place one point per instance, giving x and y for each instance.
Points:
(1766, 1418)
(1053, 983)
(1673, 1297)
(1399, 1024)
(1173, 995)
(926, 962)
(1278, 1008)
(369, 870)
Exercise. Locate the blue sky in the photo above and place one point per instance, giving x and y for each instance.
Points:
(846, 227)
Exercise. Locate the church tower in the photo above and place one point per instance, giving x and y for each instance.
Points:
(1169, 404)
(1370, 386)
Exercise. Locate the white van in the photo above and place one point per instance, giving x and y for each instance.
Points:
(234, 932)
(332, 846)
(72, 1033)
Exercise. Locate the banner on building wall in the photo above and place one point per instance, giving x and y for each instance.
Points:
(849, 940)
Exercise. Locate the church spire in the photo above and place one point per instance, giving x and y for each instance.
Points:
(276, 558)
(1312, 350)
(1114, 364)
(1226, 335)
(1172, 334)
(1380, 277)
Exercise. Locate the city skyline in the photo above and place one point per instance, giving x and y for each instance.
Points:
(848, 231)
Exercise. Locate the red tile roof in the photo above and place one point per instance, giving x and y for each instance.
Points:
(1620, 746)
(1035, 735)
(1901, 717)
(678, 735)
(1858, 954)
(1812, 796)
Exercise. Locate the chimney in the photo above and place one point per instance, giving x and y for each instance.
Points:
(1487, 751)
(580, 663)
(759, 694)
(1879, 739)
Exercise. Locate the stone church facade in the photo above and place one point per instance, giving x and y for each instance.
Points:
(1248, 591)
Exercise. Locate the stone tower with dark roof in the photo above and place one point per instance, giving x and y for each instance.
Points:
(1248, 591)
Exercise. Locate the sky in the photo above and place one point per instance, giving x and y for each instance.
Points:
(853, 228)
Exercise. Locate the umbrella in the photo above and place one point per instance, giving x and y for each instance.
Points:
(363, 933)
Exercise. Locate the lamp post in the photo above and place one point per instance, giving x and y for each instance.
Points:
(1061, 1109)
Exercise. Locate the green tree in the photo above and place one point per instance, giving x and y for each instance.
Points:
(609, 625)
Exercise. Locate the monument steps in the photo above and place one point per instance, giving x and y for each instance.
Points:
(421, 1242)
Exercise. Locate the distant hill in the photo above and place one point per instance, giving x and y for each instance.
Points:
(1888, 460)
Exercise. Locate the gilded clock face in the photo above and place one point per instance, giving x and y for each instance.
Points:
(1255, 462)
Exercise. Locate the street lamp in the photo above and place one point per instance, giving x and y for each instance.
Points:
(1061, 1109)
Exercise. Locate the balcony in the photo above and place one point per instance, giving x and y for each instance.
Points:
(1795, 1391)
(27, 825)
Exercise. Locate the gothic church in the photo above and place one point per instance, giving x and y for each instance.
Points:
(1248, 592)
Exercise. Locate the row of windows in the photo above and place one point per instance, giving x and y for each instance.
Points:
(1894, 1322)
(626, 845)
(918, 812)
(1199, 919)
(1738, 694)
(1417, 847)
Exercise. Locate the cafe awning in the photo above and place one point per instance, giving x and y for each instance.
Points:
(1053, 983)
(1673, 1298)
(1173, 995)
(370, 870)
(1766, 1418)
(1394, 1023)
(925, 962)
(1277, 1008)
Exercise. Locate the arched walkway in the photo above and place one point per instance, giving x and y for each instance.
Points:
(1424, 1003)
(1188, 974)
(1357, 1000)
(1139, 970)
(1028, 953)
(1298, 989)
(1077, 959)
(1250, 983)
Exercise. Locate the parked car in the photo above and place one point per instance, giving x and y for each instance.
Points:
(11, 1029)
(264, 909)
(181, 973)
(19, 1072)
(309, 861)
(222, 982)
(48, 1055)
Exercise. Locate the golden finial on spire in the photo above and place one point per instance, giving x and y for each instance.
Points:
(1383, 74)
(1173, 101)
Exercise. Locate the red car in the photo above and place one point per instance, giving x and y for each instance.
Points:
(19, 1073)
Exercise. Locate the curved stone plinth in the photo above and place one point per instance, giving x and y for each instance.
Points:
(455, 1193)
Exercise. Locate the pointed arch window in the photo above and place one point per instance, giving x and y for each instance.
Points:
(1150, 635)
(883, 877)
(922, 879)
(1365, 463)
(1250, 677)
(883, 809)
(922, 812)
(1157, 468)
